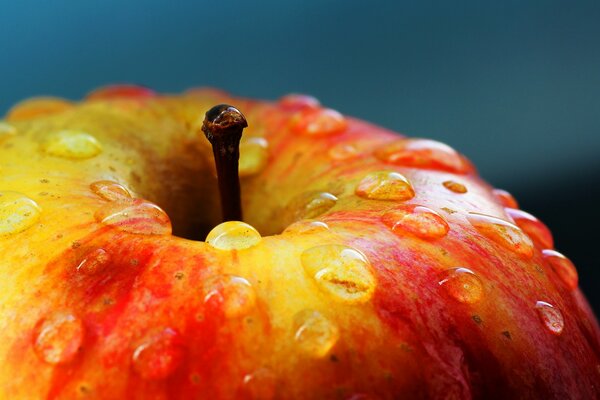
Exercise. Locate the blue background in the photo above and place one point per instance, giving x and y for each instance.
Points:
(515, 85)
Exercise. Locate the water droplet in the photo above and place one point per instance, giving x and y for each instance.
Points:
(159, 354)
(563, 267)
(254, 155)
(344, 151)
(295, 102)
(111, 191)
(462, 284)
(384, 185)
(310, 205)
(505, 198)
(455, 187)
(340, 271)
(315, 335)
(232, 294)
(17, 213)
(6, 131)
(93, 262)
(38, 107)
(233, 235)
(318, 121)
(551, 317)
(120, 92)
(58, 337)
(260, 385)
(72, 144)
(423, 153)
(533, 227)
(502, 232)
(418, 220)
(306, 226)
(135, 216)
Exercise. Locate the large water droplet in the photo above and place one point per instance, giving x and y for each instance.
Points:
(94, 262)
(159, 354)
(505, 198)
(58, 337)
(233, 235)
(418, 220)
(260, 384)
(551, 317)
(462, 284)
(72, 144)
(125, 91)
(423, 153)
(310, 205)
(306, 226)
(254, 155)
(342, 272)
(385, 185)
(318, 121)
(315, 335)
(533, 227)
(502, 232)
(17, 213)
(232, 294)
(38, 107)
(295, 102)
(135, 216)
(563, 267)
(6, 131)
(455, 187)
(111, 191)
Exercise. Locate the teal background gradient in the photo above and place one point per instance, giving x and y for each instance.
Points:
(515, 85)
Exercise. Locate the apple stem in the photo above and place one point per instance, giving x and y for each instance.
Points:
(223, 126)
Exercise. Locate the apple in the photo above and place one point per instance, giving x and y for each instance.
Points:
(358, 264)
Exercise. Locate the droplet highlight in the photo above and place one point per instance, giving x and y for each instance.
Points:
(260, 384)
(341, 272)
(462, 285)
(455, 187)
(111, 191)
(17, 213)
(306, 227)
(533, 227)
(234, 295)
(6, 131)
(563, 267)
(93, 262)
(551, 317)
(344, 151)
(318, 122)
(384, 185)
(503, 233)
(315, 335)
(233, 235)
(135, 216)
(73, 145)
(420, 221)
(58, 338)
(295, 102)
(310, 205)
(158, 355)
(254, 154)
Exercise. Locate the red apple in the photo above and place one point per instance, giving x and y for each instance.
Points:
(384, 268)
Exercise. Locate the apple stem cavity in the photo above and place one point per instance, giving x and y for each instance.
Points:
(223, 125)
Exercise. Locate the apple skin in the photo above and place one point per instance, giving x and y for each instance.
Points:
(123, 309)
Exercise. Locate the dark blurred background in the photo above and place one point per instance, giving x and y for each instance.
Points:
(515, 85)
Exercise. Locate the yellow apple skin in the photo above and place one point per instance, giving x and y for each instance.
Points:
(374, 278)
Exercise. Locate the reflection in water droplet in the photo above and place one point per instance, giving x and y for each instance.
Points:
(306, 226)
(17, 213)
(233, 235)
(385, 186)
(58, 337)
(551, 317)
(455, 187)
(533, 227)
(502, 232)
(462, 284)
(315, 335)
(135, 216)
(422, 153)
(159, 354)
(418, 220)
(232, 294)
(340, 271)
(111, 191)
(254, 155)
(38, 107)
(563, 267)
(318, 121)
(295, 102)
(72, 144)
(93, 262)
(260, 384)
(505, 198)
(310, 205)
